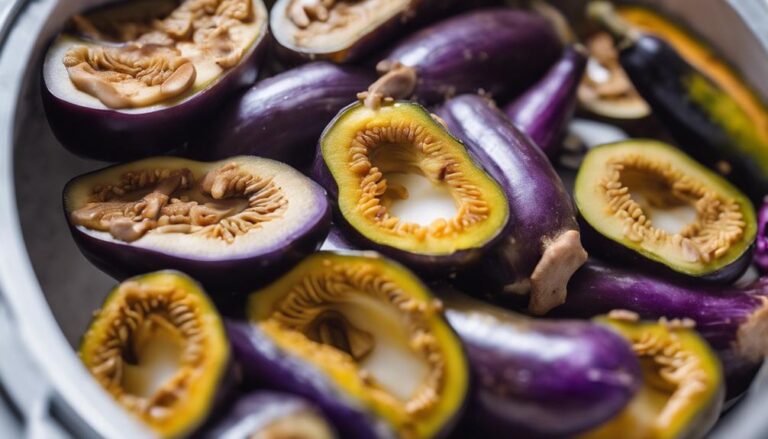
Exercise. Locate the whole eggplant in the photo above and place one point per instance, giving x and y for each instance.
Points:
(703, 119)
(734, 320)
(501, 51)
(282, 117)
(542, 248)
(537, 378)
(270, 414)
(544, 110)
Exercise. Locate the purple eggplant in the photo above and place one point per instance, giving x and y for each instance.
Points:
(544, 111)
(537, 378)
(132, 80)
(233, 225)
(500, 51)
(264, 414)
(761, 241)
(541, 249)
(282, 117)
(363, 339)
(734, 320)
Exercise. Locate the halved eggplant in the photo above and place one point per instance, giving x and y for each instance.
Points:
(271, 415)
(363, 339)
(682, 390)
(725, 128)
(131, 80)
(648, 204)
(282, 117)
(541, 248)
(544, 111)
(402, 185)
(233, 224)
(540, 378)
(501, 51)
(158, 346)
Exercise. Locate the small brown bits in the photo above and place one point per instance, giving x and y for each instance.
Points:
(609, 81)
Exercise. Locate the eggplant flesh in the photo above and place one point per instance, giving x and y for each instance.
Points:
(233, 224)
(541, 247)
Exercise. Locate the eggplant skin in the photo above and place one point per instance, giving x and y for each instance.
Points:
(537, 378)
(761, 241)
(282, 117)
(544, 110)
(501, 51)
(118, 136)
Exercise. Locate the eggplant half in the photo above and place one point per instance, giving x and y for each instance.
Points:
(234, 224)
(682, 391)
(707, 120)
(402, 185)
(501, 51)
(282, 117)
(159, 347)
(541, 248)
(271, 415)
(133, 79)
(648, 204)
(544, 111)
(540, 378)
(363, 339)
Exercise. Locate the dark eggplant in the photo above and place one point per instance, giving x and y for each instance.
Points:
(159, 347)
(705, 120)
(234, 224)
(544, 110)
(363, 339)
(761, 241)
(500, 51)
(282, 117)
(132, 80)
(405, 187)
(540, 378)
(541, 248)
(265, 415)
(734, 320)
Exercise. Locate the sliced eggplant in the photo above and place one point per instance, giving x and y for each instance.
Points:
(541, 248)
(362, 338)
(282, 117)
(131, 80)
(648, 204)
(159, 347)
(402, 185)
(233, 224)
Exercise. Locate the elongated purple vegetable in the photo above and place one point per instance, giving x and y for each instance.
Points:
(761, 240)
(537, 378)
(543, 112)
(734, 320)
(282, 117)
(501, 51)
(542, 248)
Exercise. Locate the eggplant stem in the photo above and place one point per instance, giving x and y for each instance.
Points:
(604, 14)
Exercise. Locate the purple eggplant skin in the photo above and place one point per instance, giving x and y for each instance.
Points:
(118, 136)
(233, 275)
(734, 320)
(760, 259)
(540, 378)
(282, 117)
(266, 366)
(541, 211)
(544, 110)
(258, 411)
(500, 51)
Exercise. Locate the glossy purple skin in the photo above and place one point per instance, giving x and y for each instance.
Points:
(282, 117)
(265, 365)
(761, 241)
(499, 50)
(537, 378)
(235, 274)
(540, 207)
(544, 110)
(116, 136)
(256, 410)
(720, 313)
